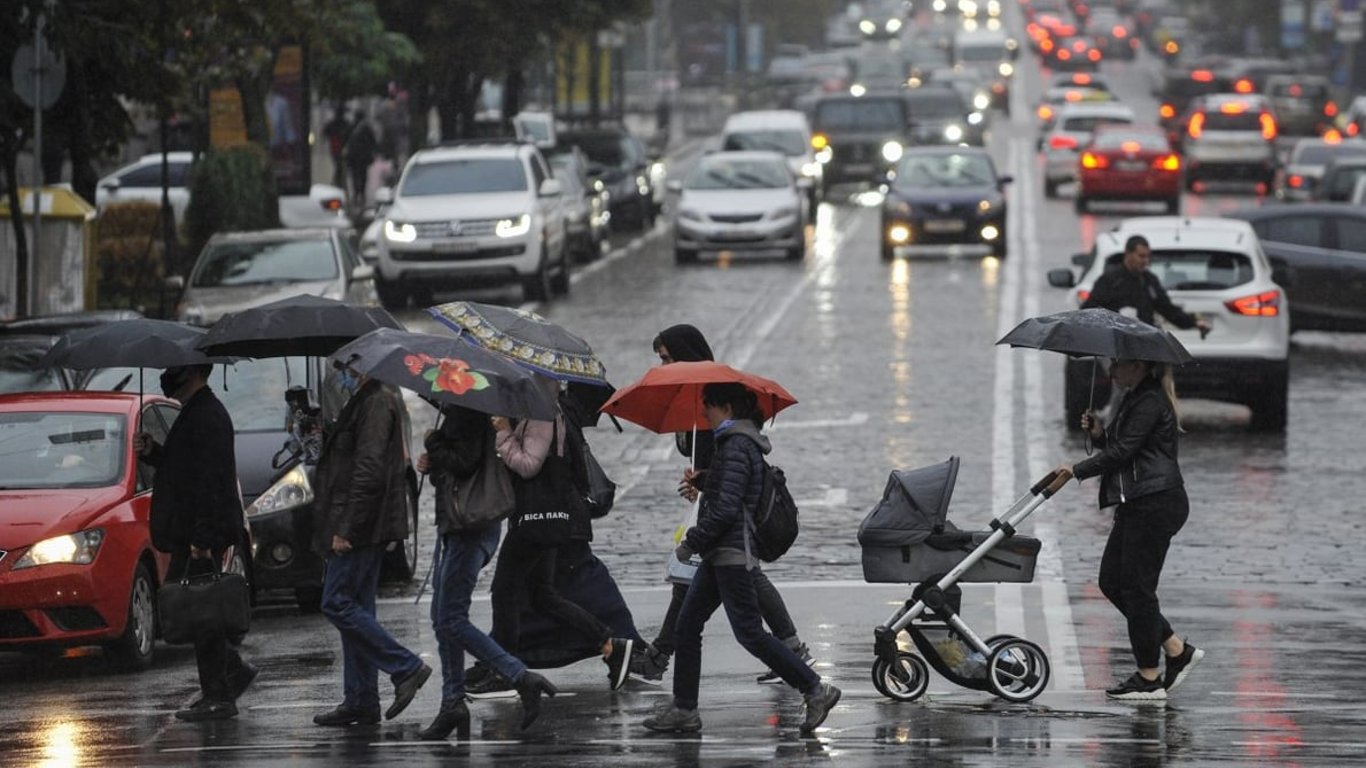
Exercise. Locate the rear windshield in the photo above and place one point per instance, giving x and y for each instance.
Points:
(982, 52)
(1197, 270)
(465, 177)
(930, 104)
(1117, 140)
(1186, 88)
(1242, 121)
(1088, 123)
(787, 142)
(726, 173)
(289, 261)
(861, 114)
(1300, 90)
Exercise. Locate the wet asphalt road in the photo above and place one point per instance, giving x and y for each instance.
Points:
(894, 366)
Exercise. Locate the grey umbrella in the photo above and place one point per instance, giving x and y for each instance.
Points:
(142, 343)
(1098, 333)
(302, 325)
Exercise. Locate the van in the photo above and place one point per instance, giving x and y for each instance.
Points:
(785, 131)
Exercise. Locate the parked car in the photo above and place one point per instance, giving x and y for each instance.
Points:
(323, 206)
(240, 270)
(781, 130)
(587, 203)
(1303, 103)
(621, 161)
(1215, 268)
(941, 116)
(21, 368)
(1129, 163)
(945, 196)
(474, 213)
(77, 566)
(739, 201)
(1339, 178)
(1072, 128)
(1230, 137)
(859, 138)
(1297, 180)
(1319, 254)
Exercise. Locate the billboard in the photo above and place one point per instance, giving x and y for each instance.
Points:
(287, 121)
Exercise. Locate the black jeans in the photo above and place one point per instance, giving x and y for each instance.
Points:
(219, 665)
(1132, 565)
(526, 573)
(771, 608)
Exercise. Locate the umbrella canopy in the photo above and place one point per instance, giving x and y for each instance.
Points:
(1098, 333)
(299, 325)
(140, 343)
(526, 337)
(668, 398)
(447, 370)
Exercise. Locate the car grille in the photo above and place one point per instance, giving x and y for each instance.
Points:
(736, 218)
(482, 253)
(15, 625)
(856, 153)
(432, 230)
(76, 618)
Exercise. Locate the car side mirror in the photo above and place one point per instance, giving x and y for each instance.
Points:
(1061, 278)
(110, 185)
(1082, 260)
(550, 188)
(384, 196)
(363, 272)
(175, 283)
(1004, 180)
(674, 186)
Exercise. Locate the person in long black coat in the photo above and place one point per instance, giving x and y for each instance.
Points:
(196, 515)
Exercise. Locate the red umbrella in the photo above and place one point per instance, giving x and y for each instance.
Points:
(668, 398)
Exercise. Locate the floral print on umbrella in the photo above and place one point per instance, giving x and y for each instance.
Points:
(446, 374)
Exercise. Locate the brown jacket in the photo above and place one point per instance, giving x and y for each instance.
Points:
(361, 479)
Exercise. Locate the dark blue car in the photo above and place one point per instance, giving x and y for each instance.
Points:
(945, 196)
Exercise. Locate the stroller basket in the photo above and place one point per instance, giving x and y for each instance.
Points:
(907, 538)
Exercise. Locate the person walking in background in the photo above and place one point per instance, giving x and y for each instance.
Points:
(336, 131)
(733, 486)
(1137, 464)
(359, 153)
(1129, 288)
(196, 515)
(457, 453)
(360, 507)
(685, 343)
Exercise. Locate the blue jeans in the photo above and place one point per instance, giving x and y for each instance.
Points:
(349, 589)
(463, 555)
(733, 587)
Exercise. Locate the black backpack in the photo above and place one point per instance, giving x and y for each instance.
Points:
(774, 524)
(589, 480)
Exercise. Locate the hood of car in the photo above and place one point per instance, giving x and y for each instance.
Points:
(736, 201)
(213, 303)
(27, 517)
(492, 205)
(951, 196)
(254, 451)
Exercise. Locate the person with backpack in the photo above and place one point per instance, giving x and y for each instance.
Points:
(685, 343)
(733, 488)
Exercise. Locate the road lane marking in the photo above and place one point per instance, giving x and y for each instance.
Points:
(852, 420)
(834, 497)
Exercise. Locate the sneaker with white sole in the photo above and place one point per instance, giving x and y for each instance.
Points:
(1180, 666)
(619, 662)
(1137, 688)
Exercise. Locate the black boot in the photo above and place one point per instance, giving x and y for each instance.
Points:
(452, 717)
(530, 686)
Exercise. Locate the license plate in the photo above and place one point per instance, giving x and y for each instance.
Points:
(858, 169)
(455, 246)
(1130, 165)
(939, 226)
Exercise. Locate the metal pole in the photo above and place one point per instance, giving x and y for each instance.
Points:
(35, 255)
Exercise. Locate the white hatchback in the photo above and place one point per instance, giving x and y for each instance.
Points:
(1214, 268)
(734, 201)
(1072, 129)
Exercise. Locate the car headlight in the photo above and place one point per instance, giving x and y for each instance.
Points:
(891, 151)
(985, 206)
(824, 154)
(690, 215)
(811, 170)
(190, 313)
(1006, 69)
(975, 118)
(515, 227)
(893, 26)
(782, 213)
(867, 27)
(857, 89)
(399, 232)
(981, 101)
(953, 133)
(75, 549)
(292, 490)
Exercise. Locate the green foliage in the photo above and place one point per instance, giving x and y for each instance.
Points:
(231, 190)
(357, 55)
(128, 256)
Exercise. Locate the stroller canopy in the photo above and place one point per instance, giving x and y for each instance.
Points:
(914, 505)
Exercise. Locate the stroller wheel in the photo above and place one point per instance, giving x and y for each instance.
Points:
(996, 640)
(1017, 670)
(906, 681)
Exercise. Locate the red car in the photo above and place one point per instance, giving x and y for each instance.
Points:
(1129, 163)
(77, 566)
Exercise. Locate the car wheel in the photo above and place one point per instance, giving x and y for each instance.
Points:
(559, 284)
(391, 294)
(1174, 205)
(400, 563)
(1050, 189)
(1080, 203)
(537, 286)
(1191, 181)
(683, 256)
(998, 248)
(888, 251)
(309, 599)
(796, 252)
(133, 650)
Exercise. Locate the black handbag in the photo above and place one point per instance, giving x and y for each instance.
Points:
(204, 606)
(483, 498)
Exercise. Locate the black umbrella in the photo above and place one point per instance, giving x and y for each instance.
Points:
(141, 343)
(1098, 333)
(447, 370)
(526, 337)
(299, 325)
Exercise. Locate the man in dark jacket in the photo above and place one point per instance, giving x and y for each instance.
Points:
(360, 507)
(196, 515)
(1130, 286)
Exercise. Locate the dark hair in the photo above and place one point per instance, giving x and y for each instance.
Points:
(685, 343)
(741, 400)
(1135, 241)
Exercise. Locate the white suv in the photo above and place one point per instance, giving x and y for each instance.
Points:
(473, 213)
(1214, 268)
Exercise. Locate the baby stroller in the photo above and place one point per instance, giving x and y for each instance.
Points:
(908, 539)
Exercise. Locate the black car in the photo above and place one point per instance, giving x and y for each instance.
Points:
(1340, 178)
(940, 116)
(859, 138)
(621, 162)
(945, 196)
(21, 368)
(1318, 254)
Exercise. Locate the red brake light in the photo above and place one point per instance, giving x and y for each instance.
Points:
(1330, 109)
(1166, 111)
(1079, 46)
(1093, 54)
(332, 204)
(1202, 76)
(1353, 129)
(1266, 304)
(1233, 108)
(1167, 163)
(1120, 31)
(1083, 295)
(1092, 161)
(1332, 136)
(1064, 54)
(1295, 181)
(1081, 78)
(1197, 125)
(1131, 147)
(1296, 90)
(1243, 86)
(1268, 126)
(1062, 142)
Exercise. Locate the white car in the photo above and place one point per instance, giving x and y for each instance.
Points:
(1215, 268)
(473, 213)
(736, 201)
(323, 206)
(780, 130)
(1072, 128)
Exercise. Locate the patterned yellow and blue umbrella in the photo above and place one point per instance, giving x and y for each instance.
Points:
(525, 337)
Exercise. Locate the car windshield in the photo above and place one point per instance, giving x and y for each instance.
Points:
(1196, 270)
(868, 115)
(45, 449)
(944, 170)
(930, 105)
(1300, 90)
(790, 143)
(20, 378)
(1321, 154)
(987, 53)
(1088, 123)
(464, 177)
(1236, 121)
(256, 263)
(1149, 142)
(738, 174)
(254, 392)
(604, 150)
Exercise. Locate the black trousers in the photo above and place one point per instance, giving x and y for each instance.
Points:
(771, 607)
(219, 665)
(526, 574)
(1132, 565)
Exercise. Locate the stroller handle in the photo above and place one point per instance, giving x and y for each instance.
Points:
(1051, 483)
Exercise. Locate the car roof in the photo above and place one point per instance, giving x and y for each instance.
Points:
(174, 157)
(1280, 209)
(81, 402)
(511, 148)
(1172, 231)
(58, 324)
(1146, 128)
(1102, 108)
(273, 235)
(26, 342)
(980, 35)
(765, 119)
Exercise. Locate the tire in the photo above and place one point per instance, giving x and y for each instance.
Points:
(133, 650)
(1080, 204)
(796, 253)
(1050, 189)
(391, 294)
(536, 287)
(1017, 670)
(559, 284)
(400, 562)
(999, 248)
(913, 669)
(309, 599)
(682, 256)
(888, 252)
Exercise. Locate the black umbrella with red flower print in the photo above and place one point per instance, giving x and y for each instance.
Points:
(444, 369)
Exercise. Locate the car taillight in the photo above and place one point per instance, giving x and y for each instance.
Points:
(1166, 111)
(1332, 136)
(1243, 85)
(1296, 181)
(1353, 129)
(1092, 161)
(332, 204)
(1093, 54)
(1268, 126)
(1197, 125)
(1083, 295)
(1062, 142)
(1266, 304)
(1202, 76)
(1330, 109)
(1167, 163)
(1120, 32)
(1064, 54)
(1045, 112)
